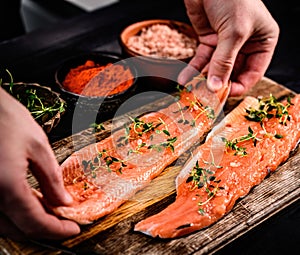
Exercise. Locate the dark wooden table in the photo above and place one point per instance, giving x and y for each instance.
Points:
(34, 58)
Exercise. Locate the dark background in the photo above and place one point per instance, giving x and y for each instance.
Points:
(34, 56)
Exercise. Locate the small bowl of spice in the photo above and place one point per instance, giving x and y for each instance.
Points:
(162, 48)
(96, 82)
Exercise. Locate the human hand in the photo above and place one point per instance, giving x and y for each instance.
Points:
(23, 146)
(237, 42)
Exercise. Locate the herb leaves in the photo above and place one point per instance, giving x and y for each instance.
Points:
(40, 107)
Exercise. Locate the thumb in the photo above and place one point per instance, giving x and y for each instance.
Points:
(222, 62)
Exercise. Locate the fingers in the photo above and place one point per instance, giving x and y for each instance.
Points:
(30, 218)
(251, 71)
(198, 62)
(24, 144)
(46, 169)
(223, 60)
(230, 34)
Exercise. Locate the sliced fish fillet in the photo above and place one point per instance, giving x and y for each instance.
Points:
(231, 174)
(102, 176)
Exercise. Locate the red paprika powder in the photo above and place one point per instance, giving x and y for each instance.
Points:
(92, 79)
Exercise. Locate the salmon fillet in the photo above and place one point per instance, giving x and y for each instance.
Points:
(102, 176)
(237, 155)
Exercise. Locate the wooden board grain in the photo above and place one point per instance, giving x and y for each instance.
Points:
(113, 234)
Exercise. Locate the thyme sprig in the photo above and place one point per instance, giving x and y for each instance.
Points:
(34, 103)
(124, 140)
(181, 110)
(97, 126)
(169, 143)
(139, 128)
(37, 108)
(234, 143)
(269, 108)
(204, 177)
(95, 165)
(141, 145)
(195, 104)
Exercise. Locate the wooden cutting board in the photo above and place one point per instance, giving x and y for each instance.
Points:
(113, 234)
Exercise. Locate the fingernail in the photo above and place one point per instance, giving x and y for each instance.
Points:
(68, 198)
(214, 83)
(180, 79)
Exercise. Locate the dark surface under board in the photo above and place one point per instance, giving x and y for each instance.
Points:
(35, 56)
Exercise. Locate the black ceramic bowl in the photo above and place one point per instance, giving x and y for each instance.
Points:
(103, 107)
(29, 95)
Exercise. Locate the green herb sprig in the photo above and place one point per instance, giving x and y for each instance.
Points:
(95, 165)
(195, 104)
(34, 103)
(233, 144)
(204, 177)
(140, 128)
(266, 109)
(97, 126)
(169, 143)
(37, 108)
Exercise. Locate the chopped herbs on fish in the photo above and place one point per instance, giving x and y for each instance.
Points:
(266, 109)
(201, 177)
(233, 144)
(90, 167)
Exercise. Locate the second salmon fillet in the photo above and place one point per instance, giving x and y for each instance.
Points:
(250, 142)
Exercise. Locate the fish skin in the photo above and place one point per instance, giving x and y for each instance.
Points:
(109, 189)
(238, 174)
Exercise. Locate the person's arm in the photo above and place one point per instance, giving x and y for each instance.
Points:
(23, 146)
(237, 42)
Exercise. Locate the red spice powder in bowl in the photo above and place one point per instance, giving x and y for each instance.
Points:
(96, 81)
